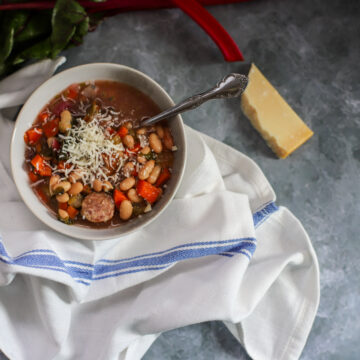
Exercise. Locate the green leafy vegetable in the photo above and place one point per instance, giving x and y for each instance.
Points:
(39, 34)
(81, 30)
(67, 17)
(11, 24)
(37, 27)
(150, 156)
(40, 50)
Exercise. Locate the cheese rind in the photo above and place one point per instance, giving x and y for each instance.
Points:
(272, 116)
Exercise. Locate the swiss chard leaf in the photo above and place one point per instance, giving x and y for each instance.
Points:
(81, 30)
(40, 50)
(6, 44)
(11, 24)
(33, 34)
(37, 26)
(67, 16)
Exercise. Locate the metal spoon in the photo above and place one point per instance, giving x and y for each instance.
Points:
(232, 85)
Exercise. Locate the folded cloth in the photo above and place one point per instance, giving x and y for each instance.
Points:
(221, 251)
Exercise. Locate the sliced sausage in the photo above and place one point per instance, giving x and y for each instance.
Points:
(98, 207)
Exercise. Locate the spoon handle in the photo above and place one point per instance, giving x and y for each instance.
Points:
(232, 85)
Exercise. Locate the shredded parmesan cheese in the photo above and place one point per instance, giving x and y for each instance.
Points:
(144, 141)
(87, 147)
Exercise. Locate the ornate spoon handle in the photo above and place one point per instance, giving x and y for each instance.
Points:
(230, 86)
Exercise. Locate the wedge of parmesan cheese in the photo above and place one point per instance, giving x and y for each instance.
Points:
(271, 115)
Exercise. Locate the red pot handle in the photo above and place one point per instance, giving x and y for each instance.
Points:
(222, 39)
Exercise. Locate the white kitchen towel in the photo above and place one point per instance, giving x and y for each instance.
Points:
(221, 251)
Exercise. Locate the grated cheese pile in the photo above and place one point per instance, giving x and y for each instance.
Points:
(85, 146)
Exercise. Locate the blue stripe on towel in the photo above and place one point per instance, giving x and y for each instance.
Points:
(10, 262)
(261, 215)
(147, 262)
(202, 243)
(131, 272)
(84, 273)
(177, 255)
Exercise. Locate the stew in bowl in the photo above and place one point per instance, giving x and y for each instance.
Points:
(90, 162)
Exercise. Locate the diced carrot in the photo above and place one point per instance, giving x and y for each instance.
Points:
(61, 165)
(51, 128)
(63, 206)
(72, 91)
(33, 177)
(32, 136)
(135, 149)
(72, 212)
(40, 166)
(147, 191)
(163, 177)
(123, 131)
(119, 197)
(43, 117)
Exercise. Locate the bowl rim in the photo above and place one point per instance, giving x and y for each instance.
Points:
(94, 236)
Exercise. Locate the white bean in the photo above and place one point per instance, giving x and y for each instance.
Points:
(154, 174)
(62, 186)
(145, 150)
(127, 184)
(63, 214)
(75, 176)
(146, 170)
(63, 198)
(107, 186)
(168, 140)
(160, 131)
(133, 196)
(97, 185)
(76, 188)
(141, 131)
(65, 121)
(128, 141)
(155, 143)
(128, 169)
(125, 210)
(141, 159)
(53, 181)
(128, 125)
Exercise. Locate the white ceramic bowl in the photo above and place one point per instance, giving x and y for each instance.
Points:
(53, 86)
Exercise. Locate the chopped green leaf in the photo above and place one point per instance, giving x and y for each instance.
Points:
(66, 221)
(150, 156)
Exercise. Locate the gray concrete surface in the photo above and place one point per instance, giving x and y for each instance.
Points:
(310, 50)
